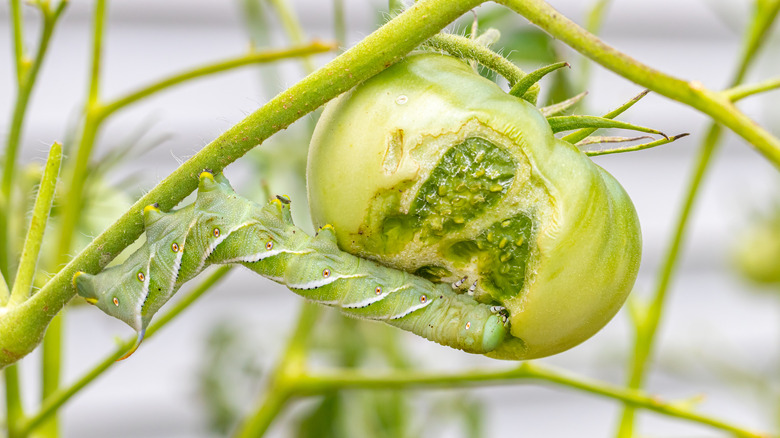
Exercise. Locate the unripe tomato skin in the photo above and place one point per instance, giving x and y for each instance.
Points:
(394, 165)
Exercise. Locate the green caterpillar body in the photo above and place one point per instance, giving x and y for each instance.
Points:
(222, 227)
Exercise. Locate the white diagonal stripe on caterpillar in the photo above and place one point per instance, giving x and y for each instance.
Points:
(369, 301)
(253, 258)
(322, 282)
(411, 310)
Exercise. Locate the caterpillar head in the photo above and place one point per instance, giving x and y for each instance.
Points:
(119, 291)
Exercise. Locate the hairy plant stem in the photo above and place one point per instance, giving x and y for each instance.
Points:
(463, 47)
(646, 325)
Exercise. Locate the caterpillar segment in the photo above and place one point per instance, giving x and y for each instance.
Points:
(221, 227)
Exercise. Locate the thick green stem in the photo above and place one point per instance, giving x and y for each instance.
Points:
(32, 244)
(691, 93)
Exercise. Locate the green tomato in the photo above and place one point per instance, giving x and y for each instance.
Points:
(432, 169)
(758, 250)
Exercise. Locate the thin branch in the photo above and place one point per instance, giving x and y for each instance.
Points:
(251, 58)
(18, 35)
(320, 383)
(293, 28)
(742, 91)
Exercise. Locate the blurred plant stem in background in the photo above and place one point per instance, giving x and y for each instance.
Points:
(27, 69)
(647, 317)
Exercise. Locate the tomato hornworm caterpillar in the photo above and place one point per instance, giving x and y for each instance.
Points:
(222, 227)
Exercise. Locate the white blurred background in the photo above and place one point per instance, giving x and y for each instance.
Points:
(719, 337)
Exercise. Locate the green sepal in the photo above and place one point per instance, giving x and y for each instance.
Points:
(569, 123)
(632, 148)
(560, 107)
(577, 136)
(523, 87)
